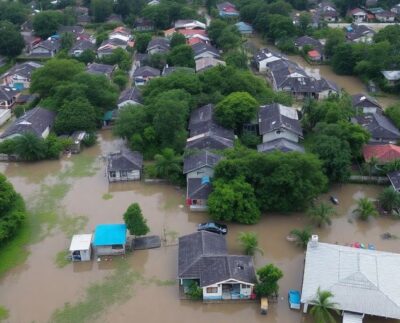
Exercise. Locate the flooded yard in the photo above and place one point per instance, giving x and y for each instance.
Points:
(73, 196)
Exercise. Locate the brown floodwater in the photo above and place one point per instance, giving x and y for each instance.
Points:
(34, 290)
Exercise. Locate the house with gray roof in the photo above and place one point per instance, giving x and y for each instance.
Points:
(392, 77)
(202, 50)
(80, 46)
(200, 164)
(362, 281)
(205, 63)
(325, 12)
(158, 45)
(212, 127)
(197, 192)
(75, 30)
(381, 129)
(265, 56)
(47, 48)
(280, 144)
(202, 114)
(276, 121)
(37, 121)
(167, 70)
(8, 96)
(363, 103)
(144, 74)
(129, 96)
(359, 33)
(208, 140)
(100, 69)
(203, 258)
(19, 76)
(124, 165)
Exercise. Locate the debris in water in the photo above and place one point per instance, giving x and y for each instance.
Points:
(388, 236)
(181, 206)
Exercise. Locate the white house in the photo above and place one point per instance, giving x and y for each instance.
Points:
(358, 15)
(362, 281)
(265, 56)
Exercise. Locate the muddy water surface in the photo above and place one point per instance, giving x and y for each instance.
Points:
(36, 289)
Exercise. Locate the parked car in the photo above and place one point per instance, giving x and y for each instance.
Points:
(213, 227)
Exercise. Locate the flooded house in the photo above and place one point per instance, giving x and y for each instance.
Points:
(124, 165)
(381, 153)
(109, 239)
(37, 121)
(362, 281)
(203, 258)
(143, 74)
(363, 103)
(265, 56)
(8, 97)
(316, 48)
(392, 77)
(244, 28)
(129, 96)
(382, 130)
(19, 76)
(81, 247)
(359, 33)
(77, 139)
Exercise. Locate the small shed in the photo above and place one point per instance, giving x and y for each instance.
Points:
(77, 138)
(349, 317)
(80, 248)
(124, 165)
(110, 239)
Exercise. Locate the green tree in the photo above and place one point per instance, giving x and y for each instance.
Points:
(236, 59)
(365, 209)
(11, 41)
(393, 112)
(249, 243)
(302, 236)
(334, 38)
(141, 42)
(158, 60)
(134, 220)
(67, 41)
(74, 115)
(101, 9)
(335, 155)
(268, 277)
(100, 37)
(54, 73)
(343, 60)
(228, 39)
(177, 39)
(87, 56)
(130, 120)
(233, 201)
(321, 307)
(14, 12)
(215, 29)
(46, 23)
(195, 292)
(321, 214)
(280, 27)
(181, 55)
(168, 165)
(389, 199)
(29, 147)
(235, 110)
(304, 22)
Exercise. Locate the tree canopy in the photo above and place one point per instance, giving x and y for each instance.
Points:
(268, 277)
(134, 220)
(46, 23)
(11, 41)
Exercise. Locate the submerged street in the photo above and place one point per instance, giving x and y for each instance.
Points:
(73, 196)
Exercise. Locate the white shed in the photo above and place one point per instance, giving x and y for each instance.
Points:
(81, 248)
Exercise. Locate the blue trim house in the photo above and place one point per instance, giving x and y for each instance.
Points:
(244, 28)
(203, 259)
(110, 239)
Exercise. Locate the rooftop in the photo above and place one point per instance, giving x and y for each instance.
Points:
(199, 160)
(109, 234)
(361, 280)
(124, 160)
(80, 242)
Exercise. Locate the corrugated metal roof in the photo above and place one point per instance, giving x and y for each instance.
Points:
(362, 281)
(109, 234)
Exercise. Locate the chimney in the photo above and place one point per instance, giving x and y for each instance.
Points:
(314, 241)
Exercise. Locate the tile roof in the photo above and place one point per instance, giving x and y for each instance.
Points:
(200, 160)
(361, 280)
(208, 141)
(146, 71)
(130, 94)
(379, 126)
(204, 113)
(81, 45)
(96, 68)
(203, 255)
(161, 42)
(198, 190)
(276, 116)
(7, 93)
(207, 62)
(384, 153)
(34, 121)
(364, 100)
(211, 127)
(200, 48)
(124, 160)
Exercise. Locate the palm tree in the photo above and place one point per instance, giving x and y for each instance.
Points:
(389, 199)
(365, 209)
(302, 236)
(167, 164)
(322, 306)
(321, 214)
(249, 242)
(29, 147)
(372, 163)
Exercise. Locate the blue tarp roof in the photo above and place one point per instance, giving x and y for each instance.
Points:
(242, 26)
(109, 234)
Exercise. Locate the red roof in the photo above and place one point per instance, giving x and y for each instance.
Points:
(384, 153)
(189, 32)
(314, 53)
(194, 40)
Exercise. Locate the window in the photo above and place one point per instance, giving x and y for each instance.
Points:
(244, 286)
(112, 174)
(212, 290)
(117, 246)
(123, 173)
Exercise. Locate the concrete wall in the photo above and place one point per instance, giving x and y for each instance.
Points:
(109, 251)
(133, 175)
(374, 26)
(201, 172)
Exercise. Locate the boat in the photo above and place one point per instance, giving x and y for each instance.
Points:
(264, 306)
(371, 246)
(334, 200)
(294, 299)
